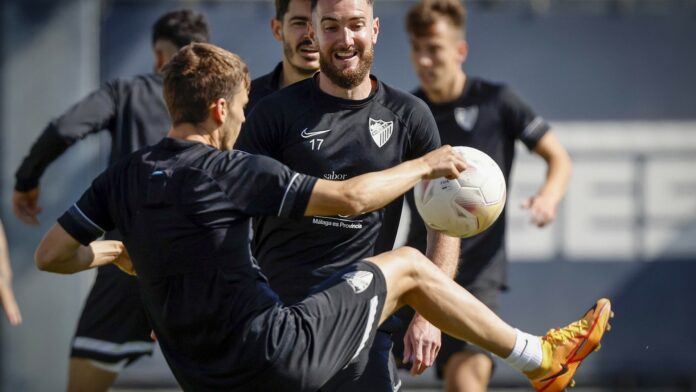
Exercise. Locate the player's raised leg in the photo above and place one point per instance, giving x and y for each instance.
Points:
(549, 361)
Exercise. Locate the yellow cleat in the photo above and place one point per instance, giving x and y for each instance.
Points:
(572, 384)
(565, 348)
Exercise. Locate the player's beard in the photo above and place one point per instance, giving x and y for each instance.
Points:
(289, 52)
(347, 78)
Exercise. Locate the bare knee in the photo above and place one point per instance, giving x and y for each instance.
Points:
(411, 258)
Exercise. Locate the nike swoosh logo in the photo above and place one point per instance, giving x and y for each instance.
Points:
(307, 135)
(564, 370)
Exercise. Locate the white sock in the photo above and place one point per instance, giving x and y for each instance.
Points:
(527, 353)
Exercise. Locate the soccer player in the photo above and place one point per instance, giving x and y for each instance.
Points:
(113, 330)
(7, 297)
(183, 207)
(291, 27)
(473, 112)
(341, 123)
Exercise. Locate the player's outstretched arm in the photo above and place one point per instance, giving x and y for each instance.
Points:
(371, 191)
(92, 114)
(7, 296)
(59, 252)
(543, 205)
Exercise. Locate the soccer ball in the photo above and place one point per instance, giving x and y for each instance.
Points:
(467, 205)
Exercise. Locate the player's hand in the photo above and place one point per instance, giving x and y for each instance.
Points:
(124, 262)
(8, 300)
(444, 162)
(26, 206)
(421, 344)
(542, 209)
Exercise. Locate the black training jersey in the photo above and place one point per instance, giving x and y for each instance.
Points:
(132, 110)
(334, 139)
(488, 117)
(263, 86)
(183, 209)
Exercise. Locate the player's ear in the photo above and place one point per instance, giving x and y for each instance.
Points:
(375, 30)
(277, 29)
(160, 58)
(463, 50)
(219, 110)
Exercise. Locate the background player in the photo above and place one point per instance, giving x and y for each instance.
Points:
(183, 207)
(341, 123)
(291, 27)
(473, 112)
(134, 113)
(7, 297)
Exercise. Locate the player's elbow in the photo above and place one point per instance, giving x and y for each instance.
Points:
(46, 259)
(355, 202)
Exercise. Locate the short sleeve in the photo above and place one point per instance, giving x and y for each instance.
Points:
(89, 218)
(259, 130)
(424, 135)
(521, 120)
(261, 186)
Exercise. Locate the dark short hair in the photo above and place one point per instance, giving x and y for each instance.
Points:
(423, 15)
(181, 27)
(314, 3)
(281, 7)
(198, 75)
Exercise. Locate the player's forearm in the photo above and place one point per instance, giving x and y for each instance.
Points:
(375, 190)
(557, 176)
(443, 251)
(5, 268)
(49, 146)
(58, 252)
(366, 192)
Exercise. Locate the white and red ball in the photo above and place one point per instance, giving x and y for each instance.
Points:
(467, 205)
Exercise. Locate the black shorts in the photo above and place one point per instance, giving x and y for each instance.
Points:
(374, 370)
(113, 327)
(489, 294)
(332, 329)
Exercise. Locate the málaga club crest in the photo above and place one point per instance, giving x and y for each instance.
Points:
(381, 131)
(466, 117)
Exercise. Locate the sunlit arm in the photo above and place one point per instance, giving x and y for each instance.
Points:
(60, 253)
(372, 191)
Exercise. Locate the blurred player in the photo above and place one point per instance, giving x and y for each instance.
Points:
(134, 113)
(474, 112)
(291, 27)
(341, 123)
(183, 206)
(7, 297)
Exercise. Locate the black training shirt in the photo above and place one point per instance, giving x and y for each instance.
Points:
(488, 117)
(183, 209)
(334, 139)
(263, 86)
(132, 110)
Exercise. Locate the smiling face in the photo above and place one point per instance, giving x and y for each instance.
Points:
(346, 33)
(299, 51)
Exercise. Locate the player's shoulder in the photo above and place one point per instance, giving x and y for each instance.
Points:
(225, 163)
(288, 95)
(136, 83)
(485, 88)
(287, 102)
(401, 102)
